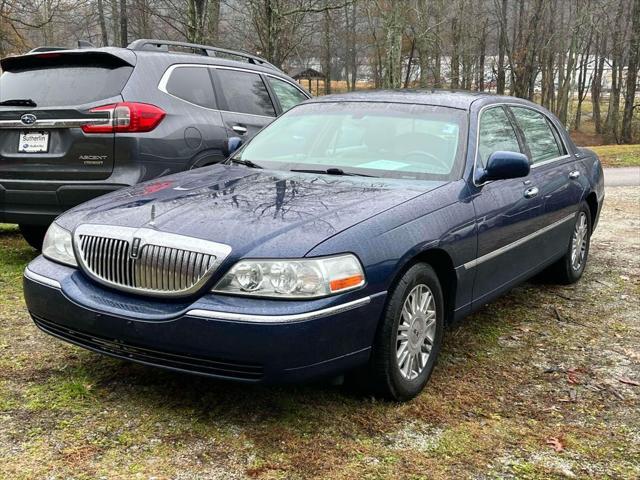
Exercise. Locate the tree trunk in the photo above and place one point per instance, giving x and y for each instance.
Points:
(617, 62)
(596, 83)
(327, 53)
(437, 47)
(455, 54)
(632, 75)
(115, 22)
(124, 35)
(481, 60)
(394, 26)
(582, 82)
(502, 46)
(407, 77)
(103, 24)
(213, 25)
(353, 57)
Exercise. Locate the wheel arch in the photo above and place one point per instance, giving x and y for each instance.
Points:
(592, 202)
(441, 262)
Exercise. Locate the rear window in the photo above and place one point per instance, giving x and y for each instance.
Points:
(192, 84)
(63, 85)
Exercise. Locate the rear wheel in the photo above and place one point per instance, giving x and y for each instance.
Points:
(571, 266)
(409, 339)
(34, 235)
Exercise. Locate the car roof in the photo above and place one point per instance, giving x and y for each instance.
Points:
(460, 99)
(166, 57)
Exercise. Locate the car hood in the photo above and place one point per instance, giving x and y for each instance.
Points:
(256, 212)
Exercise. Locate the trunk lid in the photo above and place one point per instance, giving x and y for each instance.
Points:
(45, 98)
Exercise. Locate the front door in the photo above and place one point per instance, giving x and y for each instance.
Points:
(508, 213)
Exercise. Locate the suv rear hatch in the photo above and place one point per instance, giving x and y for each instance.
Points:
(46, 99)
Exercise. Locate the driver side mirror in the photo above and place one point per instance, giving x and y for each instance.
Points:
(231, 145)
(504, 165)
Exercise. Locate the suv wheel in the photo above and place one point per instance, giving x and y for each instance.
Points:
(34, 235)
(410, 337)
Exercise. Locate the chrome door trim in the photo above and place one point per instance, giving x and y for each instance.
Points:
(533, 165)
(55, 123)
(295, 317)
(36, 277)
(517, 243)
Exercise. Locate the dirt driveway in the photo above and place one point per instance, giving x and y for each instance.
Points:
(544, 383)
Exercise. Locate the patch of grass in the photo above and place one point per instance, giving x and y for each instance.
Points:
(618, 155)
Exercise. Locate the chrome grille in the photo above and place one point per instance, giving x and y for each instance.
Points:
(159, 263)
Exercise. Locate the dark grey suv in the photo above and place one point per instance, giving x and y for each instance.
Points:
(75, 124)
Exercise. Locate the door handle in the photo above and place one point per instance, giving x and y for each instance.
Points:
(575, 174)
(239, 129)
(531, 192)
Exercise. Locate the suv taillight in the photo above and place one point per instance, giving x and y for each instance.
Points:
(126, 117)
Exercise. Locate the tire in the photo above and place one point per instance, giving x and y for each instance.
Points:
(34, 235)
(570, 268)
(389, 376)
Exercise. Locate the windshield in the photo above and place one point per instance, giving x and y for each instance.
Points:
(379, 139)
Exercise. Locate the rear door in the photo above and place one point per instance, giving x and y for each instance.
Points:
(45, 99)
(557, 176)
(244, 100)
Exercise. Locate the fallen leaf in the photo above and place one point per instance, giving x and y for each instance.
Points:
(556, 443)
(629, 382)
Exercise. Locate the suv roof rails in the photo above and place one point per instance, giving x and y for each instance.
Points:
(206, 50)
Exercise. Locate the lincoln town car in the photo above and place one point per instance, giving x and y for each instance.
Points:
(341, 239)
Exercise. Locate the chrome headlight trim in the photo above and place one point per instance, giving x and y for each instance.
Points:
(308, 278)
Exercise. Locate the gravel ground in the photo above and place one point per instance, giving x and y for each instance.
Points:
(544, 383)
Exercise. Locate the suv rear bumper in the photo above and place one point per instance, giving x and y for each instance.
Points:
(39, 203)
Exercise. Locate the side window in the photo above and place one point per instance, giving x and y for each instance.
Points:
(538, 134)
(192, 84)
(496, 134)
(246, 93)
(288, 95)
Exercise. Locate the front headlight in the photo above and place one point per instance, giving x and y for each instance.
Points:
(57, 246)
(303, 278)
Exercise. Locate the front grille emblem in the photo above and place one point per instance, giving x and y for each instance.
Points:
(135, 247)
(28, 119)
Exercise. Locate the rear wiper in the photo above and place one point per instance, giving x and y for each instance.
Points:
(246, 163)
(332, 171)
(19, 102)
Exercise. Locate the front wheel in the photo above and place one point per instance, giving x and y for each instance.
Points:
(410, 337)
(571, 266)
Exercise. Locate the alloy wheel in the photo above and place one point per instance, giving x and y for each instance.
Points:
(416, 332)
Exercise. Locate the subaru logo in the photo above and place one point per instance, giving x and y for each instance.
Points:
(28, 119)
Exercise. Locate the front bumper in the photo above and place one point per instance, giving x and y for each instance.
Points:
(253, 340)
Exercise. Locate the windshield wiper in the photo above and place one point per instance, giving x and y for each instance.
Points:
(19, 102)
(246, 163)
(332, 171)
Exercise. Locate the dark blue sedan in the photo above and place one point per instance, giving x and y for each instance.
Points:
(345, 236)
